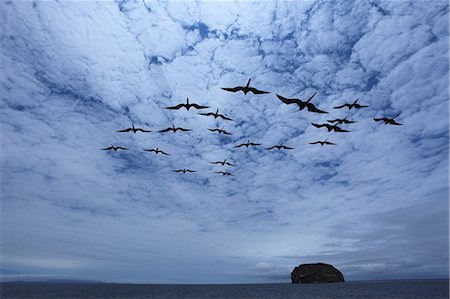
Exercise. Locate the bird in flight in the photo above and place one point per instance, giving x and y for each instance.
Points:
(223, 172)
(245, 89)
(322, 143)
(184, 170)
(134, 130)
(187, 105)
(156, 151)
(220, 131)
(222, 162)
(216, 115)
(341, 121)
(388, 121)
(350, 106)
(174, 129)
(248, 144)
(279, 147)
(301, 104)
(330, 127)
(114, 148)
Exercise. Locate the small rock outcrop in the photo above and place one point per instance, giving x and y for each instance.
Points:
(316, 273)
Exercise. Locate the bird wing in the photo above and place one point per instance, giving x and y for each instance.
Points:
(176, 107)
(218, 162)
(233, 89)
(164, 153)
(142, 130)
(377, 119)
(207, 114)
(179, 170)
(314, 142)
(107, 148)
(184, 130)
(221, 172)
(337, 129)
(187, 170)
(330, 143)
(312, 108)
(125, 130)
(227, 173)
(333, 120)
(393, 122)
(269, 148)
(165, 130)
(349, 121)
(228, 163)
(122, 148)
(242, 144)
(318, 125)
(196, 106)
(359, 106)
(226, 133)
(342, 106)
(224, 117)
(257, 91)
(288, 101)
(254, 144)
(212, 130)
(286, 147)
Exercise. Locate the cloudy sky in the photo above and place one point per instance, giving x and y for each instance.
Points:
(73, 73)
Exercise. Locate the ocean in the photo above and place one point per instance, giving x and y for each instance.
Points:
(407, 289)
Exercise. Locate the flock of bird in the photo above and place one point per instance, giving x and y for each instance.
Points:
(332, 124)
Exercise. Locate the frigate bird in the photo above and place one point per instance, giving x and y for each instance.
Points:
(216, 115)
(248, 144)
(174, 129)
(220, 131)
(184, 170)
(222, 162)
(301, 104)
(341, 120)
(114, 148)
(245, 89)
(279, 147)
(134, 130)
(330, 127)
(350, 106)
(322, 143)
(187, 105)
(388, 121)
(156, 151)
(223, 172)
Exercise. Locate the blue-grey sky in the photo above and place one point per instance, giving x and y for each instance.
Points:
(73, 73)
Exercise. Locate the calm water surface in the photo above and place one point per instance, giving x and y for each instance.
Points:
(407, 289)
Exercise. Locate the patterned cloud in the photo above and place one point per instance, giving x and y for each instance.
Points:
(74, 73)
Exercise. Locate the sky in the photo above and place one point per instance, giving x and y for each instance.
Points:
(74, 73)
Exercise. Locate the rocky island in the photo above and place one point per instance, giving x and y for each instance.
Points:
(316, 273)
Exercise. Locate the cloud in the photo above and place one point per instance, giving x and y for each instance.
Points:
(75, 73)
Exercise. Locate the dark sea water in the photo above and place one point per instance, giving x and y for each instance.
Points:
(407, 289)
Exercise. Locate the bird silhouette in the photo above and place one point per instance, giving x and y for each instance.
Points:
(156, 151)
(350, 106)
(184, 170)
(245, 89)
(322, 143)
(187, 105)
(220, 131)
(330, 127)
(134, 130)
(224, 162)
(216, 115)
(114, 148)
(341, 120)
(223, 172)
(174, 129)
(301, 104)
(248, 144)
(279, 147)
(389, 121)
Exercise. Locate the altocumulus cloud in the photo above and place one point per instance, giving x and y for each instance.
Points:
(73, 73)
